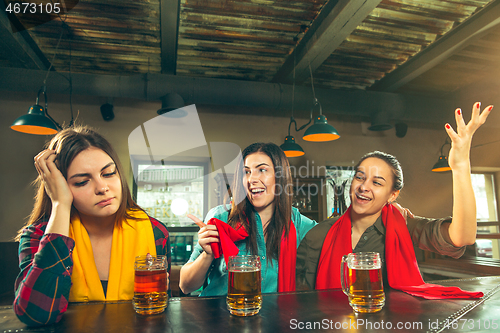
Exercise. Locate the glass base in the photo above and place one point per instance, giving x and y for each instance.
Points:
(144, 306)
(244, 312)
(367, 307)
(149, 311)
(367, 303)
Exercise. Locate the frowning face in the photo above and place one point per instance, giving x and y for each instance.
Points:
(95, 183)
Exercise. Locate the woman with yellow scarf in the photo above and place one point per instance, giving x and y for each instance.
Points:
(84, 232)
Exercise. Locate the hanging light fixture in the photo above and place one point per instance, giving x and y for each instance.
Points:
(442, 164)
(320, 131)
(290, 148)
(38, 121)
(171, 106)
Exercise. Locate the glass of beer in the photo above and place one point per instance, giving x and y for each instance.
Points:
(244, 296)
(361, 278)
(150, 284)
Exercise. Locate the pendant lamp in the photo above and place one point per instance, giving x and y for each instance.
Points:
(37, 121)
(290, 147)
(171, 106)
(442, 164)
(320, 131)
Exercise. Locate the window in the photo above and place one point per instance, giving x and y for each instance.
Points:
(170, 192)
(337, 190)
(185, 194)
(487, 217)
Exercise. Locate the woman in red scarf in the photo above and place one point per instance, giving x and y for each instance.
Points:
(260, 221)
(372, 224)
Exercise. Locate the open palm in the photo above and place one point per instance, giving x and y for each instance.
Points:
(462, 138)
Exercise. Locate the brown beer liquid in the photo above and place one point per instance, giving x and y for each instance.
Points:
(366, 289)
(150, 291)
(244, 295)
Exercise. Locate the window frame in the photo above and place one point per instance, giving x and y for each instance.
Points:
(136, 161)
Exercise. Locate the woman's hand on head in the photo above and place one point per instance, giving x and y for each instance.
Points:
(206, 235)
(459, 156)
(55, 184)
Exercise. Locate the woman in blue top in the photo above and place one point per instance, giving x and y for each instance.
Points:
(262, 203)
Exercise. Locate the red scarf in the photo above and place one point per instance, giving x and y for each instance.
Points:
(287, 257)
(402, 268)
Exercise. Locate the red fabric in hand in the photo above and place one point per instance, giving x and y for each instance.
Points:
(227, 237)
(402, 268)
(287, 256)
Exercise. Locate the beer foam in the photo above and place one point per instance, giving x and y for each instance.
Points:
(244, 269)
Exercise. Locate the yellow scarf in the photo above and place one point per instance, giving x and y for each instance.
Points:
(131, 238)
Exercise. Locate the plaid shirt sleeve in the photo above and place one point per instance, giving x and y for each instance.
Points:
(43, 285)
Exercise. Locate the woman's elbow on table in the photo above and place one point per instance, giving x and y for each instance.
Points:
(33, 315)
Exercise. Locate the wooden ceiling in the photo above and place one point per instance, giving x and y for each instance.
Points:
(428, 47)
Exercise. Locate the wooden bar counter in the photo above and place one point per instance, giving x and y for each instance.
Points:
(300, 311)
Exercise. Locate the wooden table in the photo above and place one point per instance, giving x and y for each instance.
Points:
(300, 311)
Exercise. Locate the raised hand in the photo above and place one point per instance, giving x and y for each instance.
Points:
(463, 227)
(461, 139)
(206, 235)
(55, 184)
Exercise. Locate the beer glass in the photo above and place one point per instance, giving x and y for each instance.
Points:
(244, 296)
(150, 284)
(362, 282)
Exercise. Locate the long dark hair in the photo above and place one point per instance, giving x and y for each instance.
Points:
(392, 161)
(243, 211)
(68, 143)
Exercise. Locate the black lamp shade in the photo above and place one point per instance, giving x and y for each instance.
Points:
(380, 127)
(290, 148)
(171, 106)
(441, 165)
(321, 131)
(35, 122)
(107, 112)
(380, 122)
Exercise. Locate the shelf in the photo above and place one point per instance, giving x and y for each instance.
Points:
(307, 193)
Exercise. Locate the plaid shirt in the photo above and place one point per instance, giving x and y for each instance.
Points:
(46, 263)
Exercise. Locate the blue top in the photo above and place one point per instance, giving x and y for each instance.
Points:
(217, 274)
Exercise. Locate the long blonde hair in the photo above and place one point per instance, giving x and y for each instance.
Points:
(68, 143)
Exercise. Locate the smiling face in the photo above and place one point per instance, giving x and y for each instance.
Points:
(95, 184)
(372, 188)
(259, 181)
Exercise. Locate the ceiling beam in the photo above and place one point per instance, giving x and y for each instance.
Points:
(336, 21)
(457, 39)
(275, 98)
(17, 46)
(169, 29)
